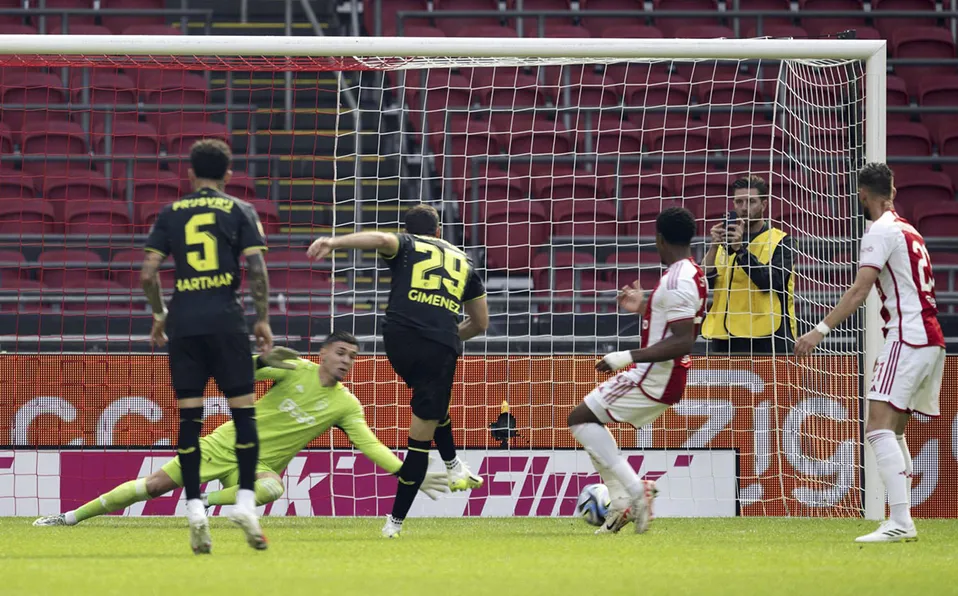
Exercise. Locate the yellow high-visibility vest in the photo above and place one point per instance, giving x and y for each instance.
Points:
(739, 307)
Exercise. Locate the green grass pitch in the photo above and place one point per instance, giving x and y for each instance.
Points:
(492, 557)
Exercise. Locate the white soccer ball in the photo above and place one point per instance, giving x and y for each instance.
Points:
(593, 504)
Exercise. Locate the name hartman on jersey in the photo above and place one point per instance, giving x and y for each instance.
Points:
(205, 282)
(434, 299)
(220, 203)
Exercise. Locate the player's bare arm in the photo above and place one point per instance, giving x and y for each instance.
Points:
(150, 281)
(259, 291)
(678, 344)
(853, 298)
(385, 244)
(477, 319)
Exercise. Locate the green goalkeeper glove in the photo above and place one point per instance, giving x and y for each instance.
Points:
(434, 485)
(280, 357)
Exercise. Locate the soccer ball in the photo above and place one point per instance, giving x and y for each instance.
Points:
(593, 504)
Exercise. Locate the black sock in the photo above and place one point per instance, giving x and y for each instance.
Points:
(444, 441)
(188, 450)
(247, 445)
(411, 475)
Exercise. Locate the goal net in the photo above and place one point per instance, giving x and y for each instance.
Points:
(549, 169)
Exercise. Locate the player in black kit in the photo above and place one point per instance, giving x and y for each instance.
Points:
(206, 232)
(432, 281)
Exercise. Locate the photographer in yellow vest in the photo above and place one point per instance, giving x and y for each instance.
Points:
(749, 268)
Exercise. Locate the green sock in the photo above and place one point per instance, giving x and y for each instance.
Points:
(119, 498)
(266, 490)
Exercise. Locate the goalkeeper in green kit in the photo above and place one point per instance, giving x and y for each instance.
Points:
(305, 401)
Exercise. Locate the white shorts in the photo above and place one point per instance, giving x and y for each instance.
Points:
(909, 379)
(620, 400)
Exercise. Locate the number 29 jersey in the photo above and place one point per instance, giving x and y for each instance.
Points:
(906, 282)
(431, 279)
(205, 232)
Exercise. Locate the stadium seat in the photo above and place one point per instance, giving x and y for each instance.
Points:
(70, 267)
(631, 265)
(538, 136)
(672, 142)
(16, 184)
(613, 139)
(917, 186)
(465, 138)
(268, 215)
(292, 270)
(242, 187)
(936, 219)
(11, 19)
(45, 139)
(102, 296)
(75, 187)
(603, 26)
(749, 25)
(159, 189)
(946, 278)
(18, 28)
(388, 16)
(28, 296)
(80, 29)
(6, 140)
(492, 184)
(512, 232)
(566, 32)
(97, 217)
(781, 31)
(639, 214)
(34, 88)
(940, 92)
(651, 89)
(946, 137)
(54, 22)
(12, 265)
(585, 218)
(670, 26)
(27, 216)
(740, 92)
(896, 95)
(179, 136)
(817, 27)
(699, 190)
(710, 70)
(590, 90)
(746, 140)
(105, 88)
(887, 26)
(117, 24)
(907, 139)
(151, 30)
(145, 214)
(487, 31)
(560, 269)
(454, 26)
(505, 89)
(183, 90)
(922, 42)
(599, 298)
(127, 138)
(125, 269)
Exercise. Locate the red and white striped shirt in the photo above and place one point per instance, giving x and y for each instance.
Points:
(905, 282)
(680, 295)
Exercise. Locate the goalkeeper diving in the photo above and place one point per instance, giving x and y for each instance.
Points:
(305, 401)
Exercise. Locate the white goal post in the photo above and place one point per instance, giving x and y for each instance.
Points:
(278, 54)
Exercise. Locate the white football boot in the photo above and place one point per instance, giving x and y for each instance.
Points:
(891, 531)
(461, 478)
(200, 539)
(51, 520)
(249, 523)
(392, 529)
(615, 520)
(642, 507)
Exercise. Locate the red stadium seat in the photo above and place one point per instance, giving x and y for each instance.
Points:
(492, 184)
(105, 88)
(946, 278)
(54, 138)
(538, 136)
(819, 26)
(566, 32)
(183, 89)
(639, 215)
(917, 186)
(651, 89)
(151, 30)
(749, 24)
(180, 136)
(75, 187)
(18, 28)
(11, 19)
(941, 91)
(922, 42)
(936, 218)
(12, 265)
(644, 266)
(79, 29)
(947, 139)
(908, 139)
(600, 25)
(896, 95)
(586, 218)
(454, 26)
(292, 270)
(465, 138)
(560, 268)
(670, 26)
(128, 139)
(70, 267)
(242, 187)
(674, 142)
(32, 88)
(512, 232)
(888, 25)
(505, 89)
(54, 21)
(781, 31)
(97, 217)
(117, 24)
(748, 140)
(614, 139)
(531, 24)
(486, 31)
(125, 269)
(28, 293)
(159, 189)
(15, 184)
(389, 18)
(102, 296)
(145, 214)
(268, 215)
(590, 90)
(27, 216)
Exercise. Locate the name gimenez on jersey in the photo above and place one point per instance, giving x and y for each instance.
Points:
(432, 299)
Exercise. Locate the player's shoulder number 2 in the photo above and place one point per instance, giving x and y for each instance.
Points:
(444, 266)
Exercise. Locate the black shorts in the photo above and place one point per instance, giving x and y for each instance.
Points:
(226, 357)
(427, 367)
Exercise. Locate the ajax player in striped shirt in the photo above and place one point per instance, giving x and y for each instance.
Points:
(909, 371)
(305, 401)
(641, 394)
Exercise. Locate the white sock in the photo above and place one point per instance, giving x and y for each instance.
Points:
(891, 468)
(617, 493)
(195, 509)
(246, 499)
(70, 517)
(453, 463)
(598, 441)
(909, 468)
